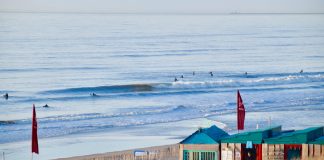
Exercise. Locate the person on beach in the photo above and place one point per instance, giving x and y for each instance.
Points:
(6, 96)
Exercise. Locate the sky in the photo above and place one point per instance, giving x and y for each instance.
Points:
(165, 6)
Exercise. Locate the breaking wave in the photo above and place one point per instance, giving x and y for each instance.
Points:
(106, 89)
(221, 82)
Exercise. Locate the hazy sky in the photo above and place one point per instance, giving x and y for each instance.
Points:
(165, 6)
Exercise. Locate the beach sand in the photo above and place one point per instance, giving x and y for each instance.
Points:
(118, 139)
(166, 152)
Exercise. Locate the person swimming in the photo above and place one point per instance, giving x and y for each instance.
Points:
(181, 76)
(301, 71)
(211, 73)
(45, 106)
(175, 79)
(93, 94)
(6, 96)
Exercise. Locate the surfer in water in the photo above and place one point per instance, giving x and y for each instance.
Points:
(93, 94)
(6, 96)
(181, 76)
(211, 74)
(301, 71)
(46, 106)
(175, 79)
(193, 73)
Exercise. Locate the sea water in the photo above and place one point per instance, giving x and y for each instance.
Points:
(130, 61)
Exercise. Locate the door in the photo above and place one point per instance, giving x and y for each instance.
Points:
(293, 151)
(254, 153)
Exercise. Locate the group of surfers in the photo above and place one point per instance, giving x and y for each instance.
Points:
(6, 96)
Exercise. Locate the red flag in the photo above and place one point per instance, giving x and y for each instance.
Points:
(240, 112)
(34, 133)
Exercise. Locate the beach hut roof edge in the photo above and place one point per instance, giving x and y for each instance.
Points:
(318, 141)
(210, 135)
(297, 137)
(256, 136)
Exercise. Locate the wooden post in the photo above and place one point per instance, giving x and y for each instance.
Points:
(282, 151)
(264, 151)
(271, 150)
(181, 151)
(317, 150)
(311, 150)
(232, 146)
(305, 151)
(237, 151)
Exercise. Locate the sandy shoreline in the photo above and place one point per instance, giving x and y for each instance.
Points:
(166, 152)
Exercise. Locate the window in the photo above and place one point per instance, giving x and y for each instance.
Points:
(208, 155)
(199, 155)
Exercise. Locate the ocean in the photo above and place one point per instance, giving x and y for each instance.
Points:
(130, 61)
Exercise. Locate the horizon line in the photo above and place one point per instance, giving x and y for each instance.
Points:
(159, 13)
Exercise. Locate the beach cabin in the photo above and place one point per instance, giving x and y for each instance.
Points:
(294, 145)
(246, 145)
(202, 144)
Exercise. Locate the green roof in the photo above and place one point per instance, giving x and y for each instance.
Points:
(210, 135)
(318, 141)
(256, 136)
(297, 137)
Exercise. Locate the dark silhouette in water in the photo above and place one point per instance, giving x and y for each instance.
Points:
(301, 71)
(7, 122)
(45, 106)
(175, 79)
(193, 73)
(246, 73)
(181, 76)
(6, 96)
(211, 73)
(93, 94)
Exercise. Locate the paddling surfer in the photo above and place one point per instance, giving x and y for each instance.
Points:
(175, 79)
(301, 71)
(6, 96)
(45, 106)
